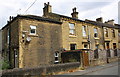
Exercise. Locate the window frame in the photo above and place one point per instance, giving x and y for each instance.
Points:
(72, 46)
(106, 32)
(84, 31)
(32, 27)
(113, 32)
(95, 32)
(56, 56)
(86, 45)
(72, 29)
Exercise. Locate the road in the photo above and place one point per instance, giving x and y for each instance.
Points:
(107, 69)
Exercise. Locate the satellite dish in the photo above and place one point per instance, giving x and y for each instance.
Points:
(28, 39)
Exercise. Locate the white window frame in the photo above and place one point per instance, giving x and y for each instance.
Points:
(34, 28)
(113, 32)
(106, 32)
(56, 54)
(96, 32)
(84, 31)
(84, 46)
(71, 29)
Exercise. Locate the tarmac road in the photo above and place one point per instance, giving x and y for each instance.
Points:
(106, 69)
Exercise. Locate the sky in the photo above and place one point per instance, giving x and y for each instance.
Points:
(88, 9)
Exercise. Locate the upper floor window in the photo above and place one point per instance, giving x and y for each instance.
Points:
(72, 29)
(95, 32)
(84, 31)
(33, 30)
(113, 33)
(106, 32)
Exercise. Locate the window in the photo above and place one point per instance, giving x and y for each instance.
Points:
(95, 32)
(97, 46)
(33, 30)
(113, 33)
(85, 46)
(72, 46)
(56, 54)
(72, 29)
(114, 45)
(106, 32)
(84, 31)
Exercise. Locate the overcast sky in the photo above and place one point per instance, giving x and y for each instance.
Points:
(88, 9)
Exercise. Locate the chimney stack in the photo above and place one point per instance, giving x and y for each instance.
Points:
(47, 9)
(110, 22)
(99, 19)
(74, 14)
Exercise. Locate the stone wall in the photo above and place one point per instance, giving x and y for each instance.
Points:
(41, 70)
(43, 45)
(0, 41)
(102, 57)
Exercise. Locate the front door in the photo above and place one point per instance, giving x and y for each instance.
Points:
(85, 58)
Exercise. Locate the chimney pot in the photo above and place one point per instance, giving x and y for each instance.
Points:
(110, 22)
(74, 14)
(99, 19)
(47, 9)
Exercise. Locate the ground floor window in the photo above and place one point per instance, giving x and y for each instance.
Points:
(114, 45)
(56, 55)
(72, 46)
(85, 45)
(96, 46)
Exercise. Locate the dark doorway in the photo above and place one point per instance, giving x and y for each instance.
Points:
(107, 45)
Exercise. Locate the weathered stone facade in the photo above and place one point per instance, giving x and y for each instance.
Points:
(0, 40)
(90, 40)
(42, 47)
(30, 41)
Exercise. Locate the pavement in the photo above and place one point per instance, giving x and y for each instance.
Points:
(93, 69)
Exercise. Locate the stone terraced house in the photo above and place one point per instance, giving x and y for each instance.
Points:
(30, 40)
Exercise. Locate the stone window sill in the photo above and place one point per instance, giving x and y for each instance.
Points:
(96, 38)
(33, 35)
(72, 36)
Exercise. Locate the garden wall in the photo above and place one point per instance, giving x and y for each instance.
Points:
(41, 70)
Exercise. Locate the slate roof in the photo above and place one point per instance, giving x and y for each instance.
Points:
(33, 17)
(40, 18)
(101, 24)
(90, 22)
(117, 26)
(68, 17)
